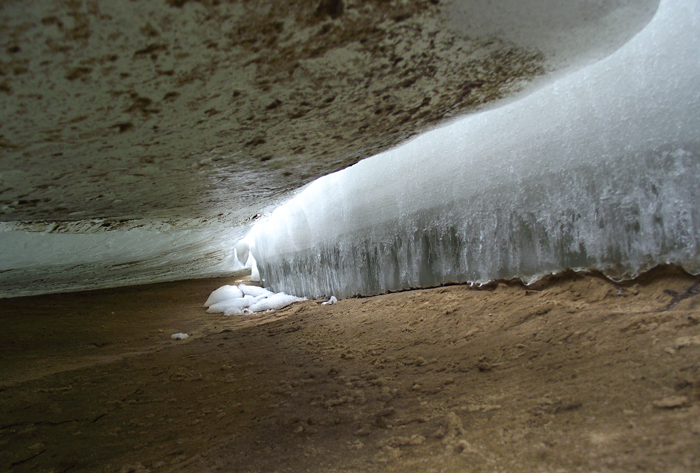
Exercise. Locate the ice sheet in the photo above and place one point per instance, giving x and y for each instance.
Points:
(600, 169)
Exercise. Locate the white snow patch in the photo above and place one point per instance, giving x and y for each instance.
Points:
(222, 294)
(251, 299)
(275, 302)
(230, 304)
(255, 291)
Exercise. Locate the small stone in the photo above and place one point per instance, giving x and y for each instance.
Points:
(37, 446)
(135, 468)
(363, 431)
(382, 423)
(387, 454)
(671, 402)
(453, 428)
(681, 342)
(386, 412)
(412, 441)
(357, 445)
(439, 433)
(462, 446)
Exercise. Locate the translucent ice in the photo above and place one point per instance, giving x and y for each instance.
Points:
(41, 262)
(599, 169)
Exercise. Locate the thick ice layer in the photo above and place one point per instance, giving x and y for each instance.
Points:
(600, 169)
(36, 263)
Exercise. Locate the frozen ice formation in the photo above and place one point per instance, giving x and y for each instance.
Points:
(598, 169)
(330, 301)
(274, 302)
(179, 336)
(246, 299)
(224, 293)
(41, 262)
(231, 305)
(255, 291)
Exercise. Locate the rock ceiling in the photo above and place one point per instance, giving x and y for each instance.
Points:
(176, 110)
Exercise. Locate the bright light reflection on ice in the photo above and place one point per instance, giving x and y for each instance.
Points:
(599, 169)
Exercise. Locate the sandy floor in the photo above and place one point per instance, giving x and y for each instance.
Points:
(578, 374)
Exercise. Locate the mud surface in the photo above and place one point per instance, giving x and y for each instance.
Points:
(578, 374)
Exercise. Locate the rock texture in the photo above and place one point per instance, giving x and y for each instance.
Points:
(177, 109)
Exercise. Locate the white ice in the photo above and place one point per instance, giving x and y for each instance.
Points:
(255, 291)
(275, 302)
(224, 293)
(598, 169)
(256, 299)
(231, 304)
(43, 262)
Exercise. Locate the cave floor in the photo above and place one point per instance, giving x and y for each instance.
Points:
(578, 374)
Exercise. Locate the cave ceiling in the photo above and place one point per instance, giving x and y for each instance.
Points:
(177, 110)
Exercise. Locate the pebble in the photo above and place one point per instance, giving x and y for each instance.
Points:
(687, 341)
(357, 445)
(364, 431)
(413, 440)
(671, 402)
(387, 454)
(453, 428)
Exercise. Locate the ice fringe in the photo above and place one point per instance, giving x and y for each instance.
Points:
(179, 336)
(330, 301)
(597, 170)
(245, 299)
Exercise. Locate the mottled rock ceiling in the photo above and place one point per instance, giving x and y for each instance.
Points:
(175, 110)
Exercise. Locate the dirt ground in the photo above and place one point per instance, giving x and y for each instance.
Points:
(576, 374)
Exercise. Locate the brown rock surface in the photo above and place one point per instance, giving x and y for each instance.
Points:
(584, 375)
